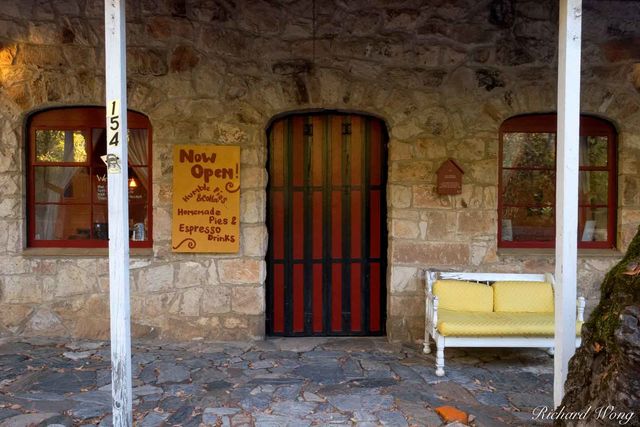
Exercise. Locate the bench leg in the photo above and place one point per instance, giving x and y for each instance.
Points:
(426, 347)
(440, 357)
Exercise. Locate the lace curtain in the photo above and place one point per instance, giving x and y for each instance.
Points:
(56, 180)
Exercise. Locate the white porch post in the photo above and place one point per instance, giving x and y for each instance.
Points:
(567, 167)
(116, 159)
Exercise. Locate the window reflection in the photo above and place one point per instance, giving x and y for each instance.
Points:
(68, 181)
(527, 193)
(69, 146)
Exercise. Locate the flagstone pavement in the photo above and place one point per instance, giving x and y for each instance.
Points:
(277, 382)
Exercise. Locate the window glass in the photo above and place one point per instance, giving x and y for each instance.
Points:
(100, 222)
(138, 197)
(68, 181)
(138, 182)
(59, 184)
(529, 150)
(528, 187)
(593, 150)
(593, 224)
(98, 146)
(137, 141)
(137, 152)
(528, 183)
(63, 222)
(99, 181)
(593, 187)
(521, 224)
(68, 146)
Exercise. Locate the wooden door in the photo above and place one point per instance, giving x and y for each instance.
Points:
(327, 226)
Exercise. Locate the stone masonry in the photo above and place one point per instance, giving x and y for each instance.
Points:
(443, 75)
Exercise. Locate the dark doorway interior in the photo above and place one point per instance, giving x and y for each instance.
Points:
(327, 225)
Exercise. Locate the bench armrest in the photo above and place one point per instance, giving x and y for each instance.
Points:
(431, 316)
(581, 303)
(431, 306)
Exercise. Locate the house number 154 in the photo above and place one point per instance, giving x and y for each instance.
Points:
(114, 123)
(113, 136)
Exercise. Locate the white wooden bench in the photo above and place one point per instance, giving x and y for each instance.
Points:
(510, 338)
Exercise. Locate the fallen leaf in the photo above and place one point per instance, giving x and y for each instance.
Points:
(450, 413)
(597, 347)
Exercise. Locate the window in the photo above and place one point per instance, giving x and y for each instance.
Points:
(67, 179)
(526, 198)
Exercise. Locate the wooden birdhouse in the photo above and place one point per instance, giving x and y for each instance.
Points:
(449, 178)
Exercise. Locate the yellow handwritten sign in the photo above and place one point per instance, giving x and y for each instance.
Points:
(206, 198)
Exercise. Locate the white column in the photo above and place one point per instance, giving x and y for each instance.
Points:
(567, 166)
(116, 159)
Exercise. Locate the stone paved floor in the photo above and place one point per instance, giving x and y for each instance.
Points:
(278, 382)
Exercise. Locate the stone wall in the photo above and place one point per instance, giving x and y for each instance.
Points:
(443, 76)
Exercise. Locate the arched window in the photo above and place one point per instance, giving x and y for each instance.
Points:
(67, 179)
(526, 197)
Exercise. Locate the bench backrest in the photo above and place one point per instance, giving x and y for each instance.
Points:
(486, 278)
(505, 298)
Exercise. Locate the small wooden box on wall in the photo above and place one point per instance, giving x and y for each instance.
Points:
(449, 178)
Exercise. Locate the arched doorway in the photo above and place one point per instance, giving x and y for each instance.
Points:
(327, 225)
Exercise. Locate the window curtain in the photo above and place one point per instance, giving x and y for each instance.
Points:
(584, 192)
(138, 154)
(56, 180)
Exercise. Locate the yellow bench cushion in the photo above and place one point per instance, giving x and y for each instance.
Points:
(463, 296)
(457, 323)
(523, 297)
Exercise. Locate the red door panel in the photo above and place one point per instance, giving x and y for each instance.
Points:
(326, 219)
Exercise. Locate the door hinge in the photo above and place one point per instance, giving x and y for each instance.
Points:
(346, 128)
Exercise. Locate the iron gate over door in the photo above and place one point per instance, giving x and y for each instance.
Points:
(327, 227)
